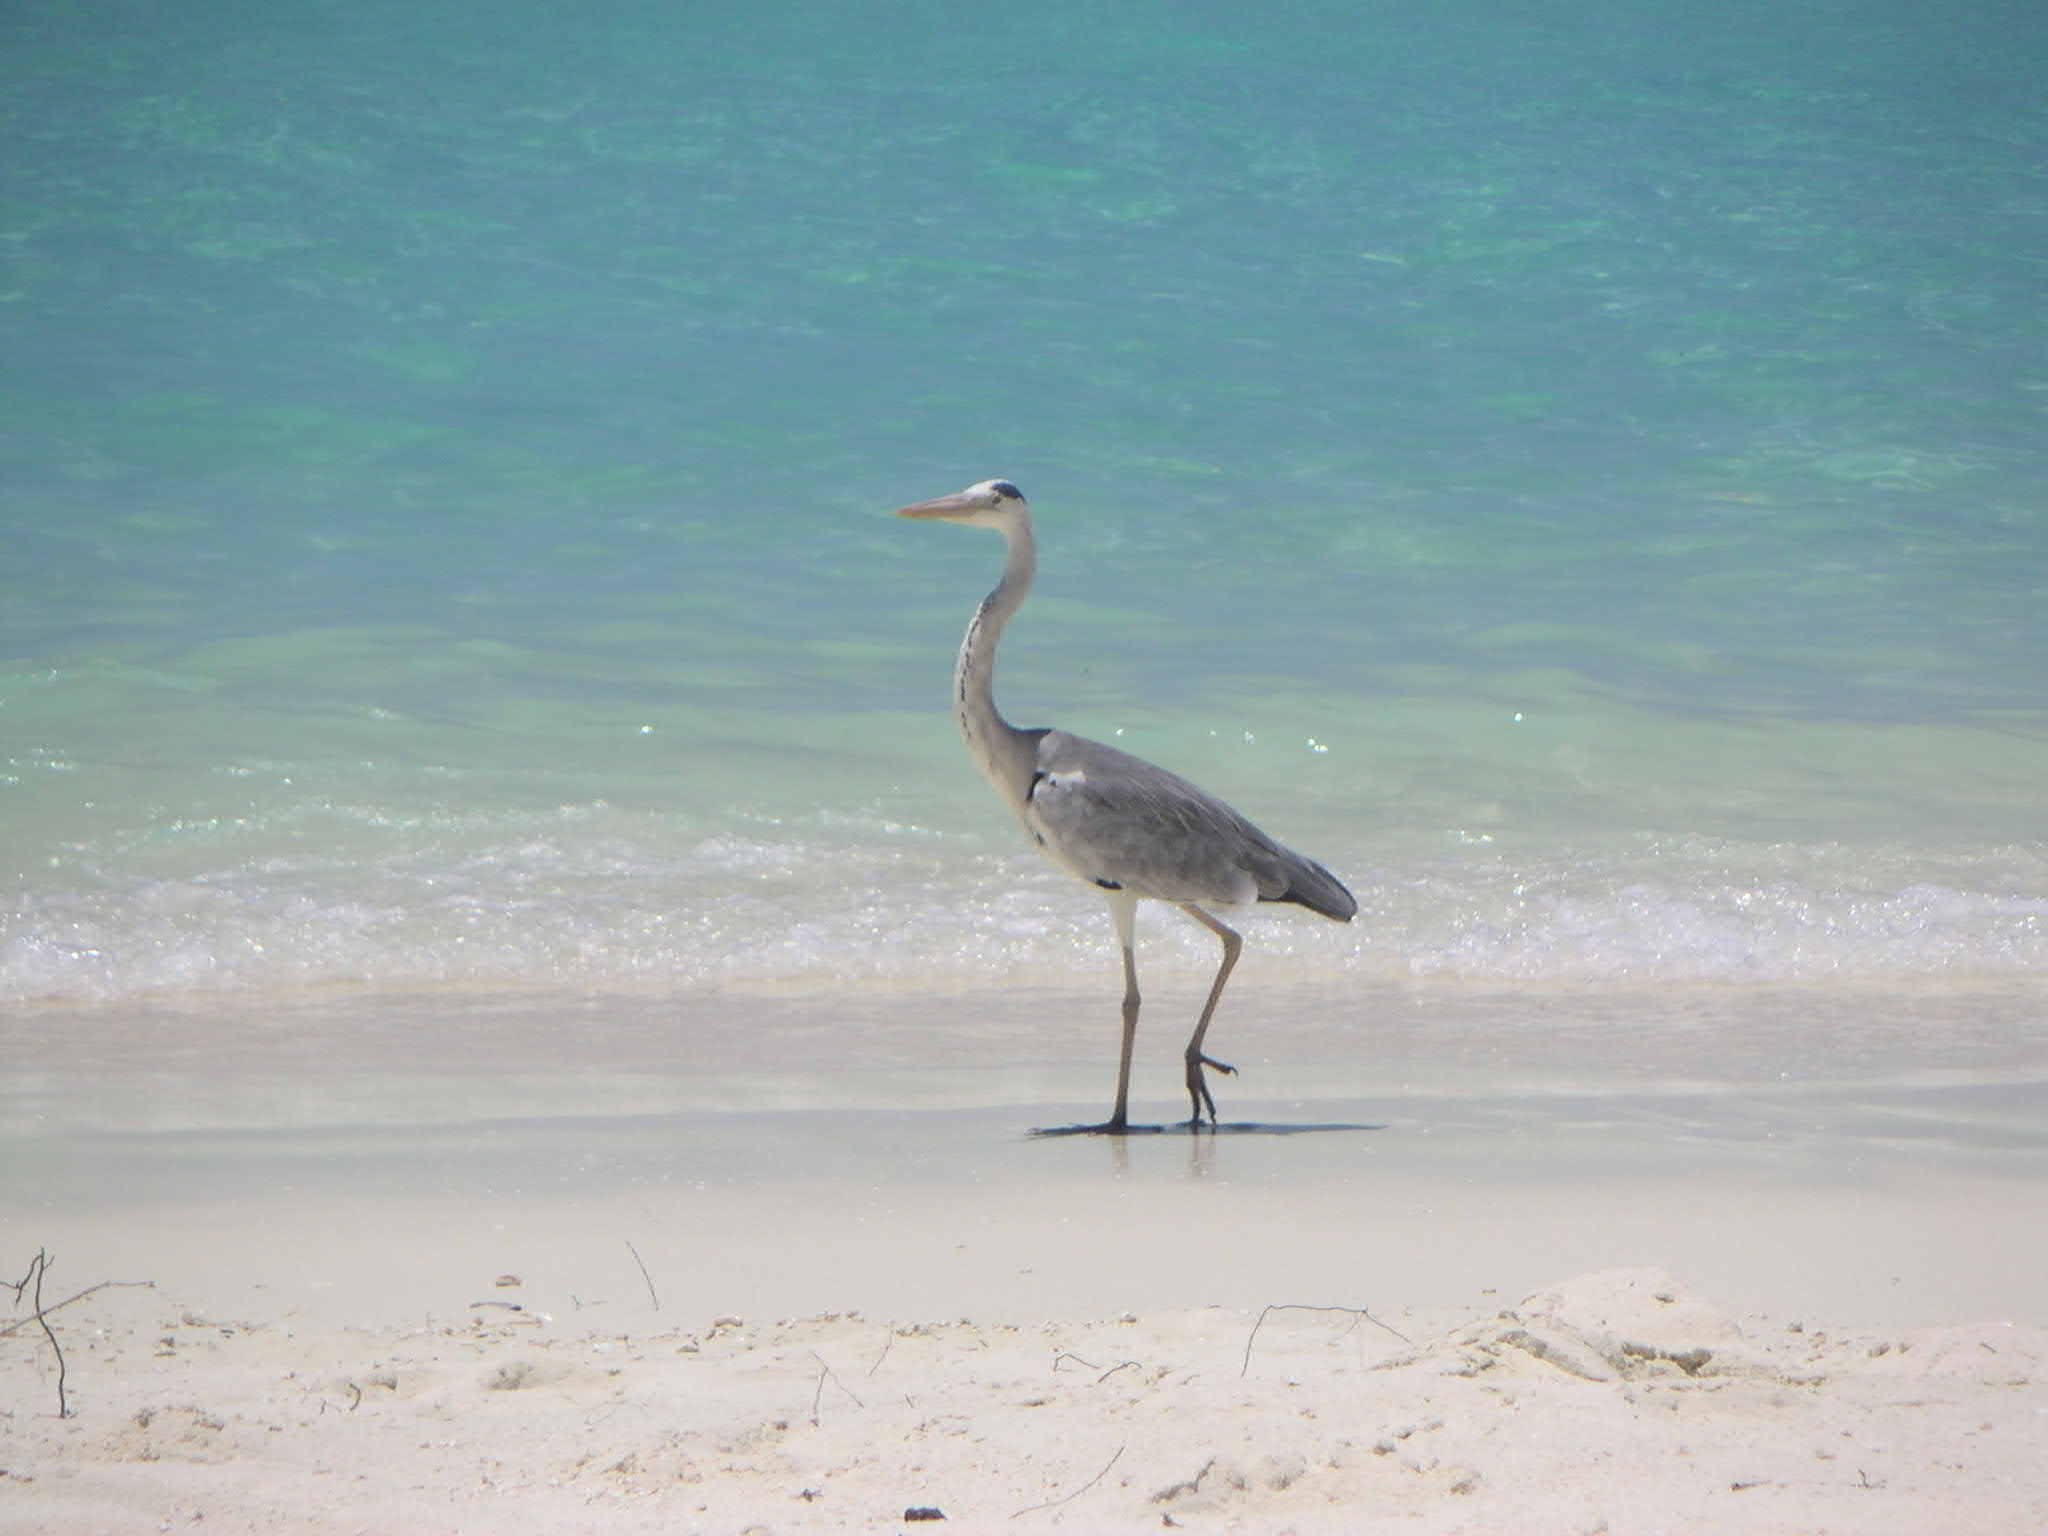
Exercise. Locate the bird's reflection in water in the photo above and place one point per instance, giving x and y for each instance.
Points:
(1201, 1140)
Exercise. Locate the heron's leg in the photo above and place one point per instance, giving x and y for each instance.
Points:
(1122, 912)
(1198, 1087)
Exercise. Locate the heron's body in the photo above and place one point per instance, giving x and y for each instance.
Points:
(1122, 823)
(1133, 830)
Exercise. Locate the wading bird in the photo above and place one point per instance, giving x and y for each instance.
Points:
(1134, 831)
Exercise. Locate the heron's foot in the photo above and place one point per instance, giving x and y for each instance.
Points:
(1198, 1086)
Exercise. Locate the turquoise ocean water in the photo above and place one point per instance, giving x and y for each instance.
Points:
(1579, 471)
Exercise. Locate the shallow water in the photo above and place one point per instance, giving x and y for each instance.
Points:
(1581, 479)
(786, 1158)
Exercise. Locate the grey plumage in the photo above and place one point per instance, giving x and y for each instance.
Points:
(1131, 829)
(1122, 819)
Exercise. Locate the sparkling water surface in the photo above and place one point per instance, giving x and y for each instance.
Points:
(1578, 472)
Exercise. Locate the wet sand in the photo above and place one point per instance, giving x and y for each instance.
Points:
(467, 1295)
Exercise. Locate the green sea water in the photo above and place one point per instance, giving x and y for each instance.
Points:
(1577, 471)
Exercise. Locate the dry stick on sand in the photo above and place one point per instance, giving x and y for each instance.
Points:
(824, 1372)
(37, 1268)
(1303, 1306)
(1067, 1354)
(1068, 1498)
(643, 1274)
(37, 1316)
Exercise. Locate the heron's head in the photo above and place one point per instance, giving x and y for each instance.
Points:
(990, 504)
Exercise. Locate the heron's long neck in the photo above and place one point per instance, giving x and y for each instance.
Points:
(1004, 754)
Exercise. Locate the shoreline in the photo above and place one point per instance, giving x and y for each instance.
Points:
(1907, 1209)
(788, 1312)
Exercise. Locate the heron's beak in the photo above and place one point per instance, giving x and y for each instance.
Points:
(959, 504)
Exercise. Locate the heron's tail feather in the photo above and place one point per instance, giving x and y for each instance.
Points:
(1314, 887)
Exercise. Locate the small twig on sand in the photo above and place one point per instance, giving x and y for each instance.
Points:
(1067, 1354)
(20, 1323)
(643, 1274)
(1070, 1497)
(826, 1372)
(1186, 1485)
(1303, 1306)
(36, 1269)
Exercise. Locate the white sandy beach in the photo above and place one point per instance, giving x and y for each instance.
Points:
(1615, 1401)
(466, 1299)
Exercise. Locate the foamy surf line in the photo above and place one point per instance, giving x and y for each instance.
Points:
(915, 912)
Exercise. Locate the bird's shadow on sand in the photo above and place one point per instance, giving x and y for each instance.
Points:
(1229, 1128)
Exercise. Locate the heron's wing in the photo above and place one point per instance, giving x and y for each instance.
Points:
(1125, 824)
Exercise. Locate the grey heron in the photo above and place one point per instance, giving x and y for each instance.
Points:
(1132, 830)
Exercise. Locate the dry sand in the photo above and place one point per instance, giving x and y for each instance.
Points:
(467, 1301)
(1613, 1402)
